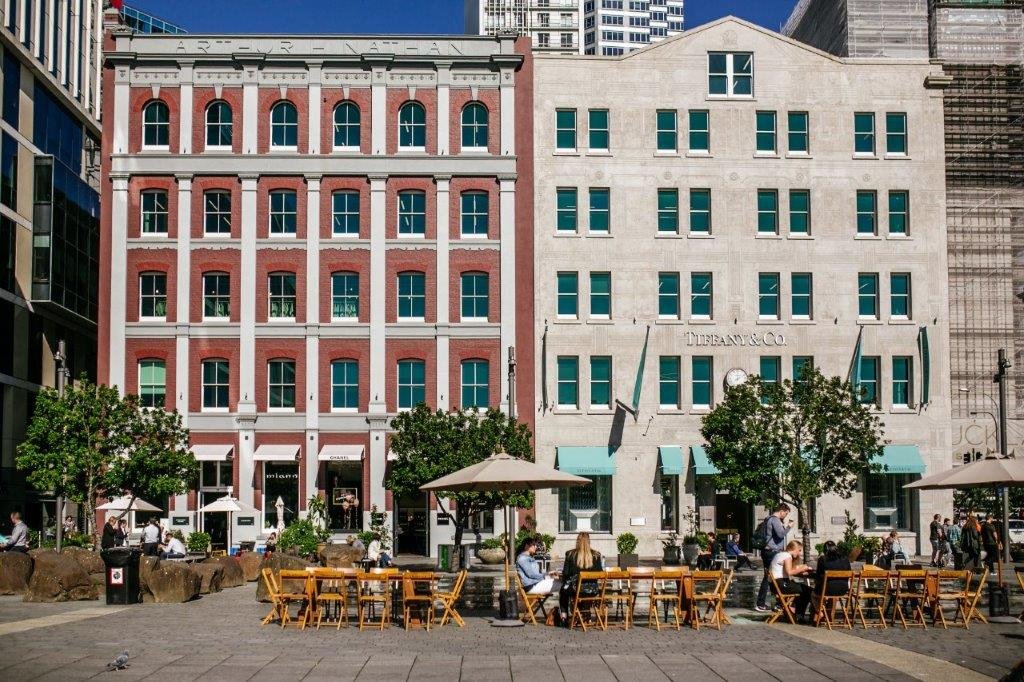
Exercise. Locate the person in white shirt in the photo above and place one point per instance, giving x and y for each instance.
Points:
(173, 548)
(786, 571)
(377, 554)
(151, 538)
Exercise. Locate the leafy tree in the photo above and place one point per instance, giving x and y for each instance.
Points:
(430, 445)
(792, 441)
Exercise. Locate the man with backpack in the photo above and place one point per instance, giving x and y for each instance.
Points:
(770, 539)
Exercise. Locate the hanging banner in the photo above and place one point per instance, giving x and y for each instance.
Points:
(639, 384)
(926, 365)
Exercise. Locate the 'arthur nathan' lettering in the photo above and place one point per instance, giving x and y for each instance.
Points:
(766, 339)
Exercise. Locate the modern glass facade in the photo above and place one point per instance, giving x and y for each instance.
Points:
(142, 22)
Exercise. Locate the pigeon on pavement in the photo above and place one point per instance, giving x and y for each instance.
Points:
(119, 663)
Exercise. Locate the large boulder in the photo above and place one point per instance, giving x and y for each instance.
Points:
(250, 564)
(340, 556)
(90, 561)
(147, 564)
(276, 562)
(232, 575)
(15, 572)
(210, 576)
(171, 582)
(58, 577)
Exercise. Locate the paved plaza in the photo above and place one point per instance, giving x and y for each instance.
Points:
(218, 637)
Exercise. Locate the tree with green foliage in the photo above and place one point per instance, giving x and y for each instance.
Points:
(793, 441)
(430, 445)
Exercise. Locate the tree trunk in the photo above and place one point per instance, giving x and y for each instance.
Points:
(805, 530)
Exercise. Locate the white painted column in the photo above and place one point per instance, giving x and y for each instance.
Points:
(48, 57)
(76, 56)
(182, 297)
(507, 222)
(121, 114)
(312, 329)
(185, 110)
(378, 111)
(378, 371)
(443, 108)
(250, 110)
(38, 34)
(443, 292)
(314, 106)
(247, 305)
(63, 8)
(508, 112)
(118, 277)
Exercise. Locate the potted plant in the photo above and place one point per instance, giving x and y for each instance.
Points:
(691, 541)
(626, 544)
(492, 550)
(670, 550)
(300, 537)
(198, 542)
(317, 507)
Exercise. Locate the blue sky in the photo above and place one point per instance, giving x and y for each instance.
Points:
(391, 16)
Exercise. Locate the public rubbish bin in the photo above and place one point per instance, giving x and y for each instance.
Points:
(122, 575)
(998, 600)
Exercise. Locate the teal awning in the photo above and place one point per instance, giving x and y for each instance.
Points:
(701, 464)
(902, 459)
(592, 460)
(671, 460)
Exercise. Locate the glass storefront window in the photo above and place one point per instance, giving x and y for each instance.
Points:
(597, 495)
(281, 479)
(887, 505)
(344, 487)
(669, 486)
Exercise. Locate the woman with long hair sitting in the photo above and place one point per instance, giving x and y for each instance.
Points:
(582, 558)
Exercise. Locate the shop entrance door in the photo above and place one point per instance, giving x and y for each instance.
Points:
(343, 484)
(214, 523)
(412, 527)
(734, 516)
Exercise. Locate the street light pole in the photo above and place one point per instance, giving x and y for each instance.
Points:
(62, 378)
(1000, 378)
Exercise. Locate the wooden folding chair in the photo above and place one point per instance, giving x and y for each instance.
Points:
(273, 594)
(911, 591)
(871, 592)
(330, 587)
(373, 589)
(418, 595)
(826, 604)
(617, 597)
(706, 586)
(717, 602)
(641, 583)
(448, 599)
(784, 600)
(667, 588)
(590, 604)
(973, 597)
(1019, 571)
(951, 587)
(290, 593)
(531, 603)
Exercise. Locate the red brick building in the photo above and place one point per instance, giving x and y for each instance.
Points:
(302, 236)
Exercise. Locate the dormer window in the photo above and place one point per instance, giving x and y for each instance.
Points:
(730, 74)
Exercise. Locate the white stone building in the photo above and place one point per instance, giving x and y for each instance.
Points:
(751, 203)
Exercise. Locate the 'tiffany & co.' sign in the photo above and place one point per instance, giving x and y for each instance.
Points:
(755, 339)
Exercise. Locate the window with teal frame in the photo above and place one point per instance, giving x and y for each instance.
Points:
(600, 381)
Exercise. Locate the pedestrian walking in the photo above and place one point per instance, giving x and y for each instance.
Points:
(770, 539)
(970, 542)
(953, 536)
(990, 542)
(935, 538)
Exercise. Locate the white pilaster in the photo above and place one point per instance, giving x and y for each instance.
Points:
(443, 291)
(312, 308)
(182, 296)
(247, 305)
(185, 110)
(314, 107)
(48, 57)
(121, 115)
(507, 222)
(63, 8)
(118, 277)
(508, 112)
(378, 285)
(250, 110)
(378, 111)
(312, 466)
(443, 108)
(246, 463)
(76, 51)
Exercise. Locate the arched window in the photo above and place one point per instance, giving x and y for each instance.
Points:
(156, 125)
(345, 296)
(284, 125)
(412, 126)
(346, 126)
(474, 126)
(218, 124)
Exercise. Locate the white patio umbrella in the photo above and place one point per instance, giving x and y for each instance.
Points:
(230, 505)
(127, 504)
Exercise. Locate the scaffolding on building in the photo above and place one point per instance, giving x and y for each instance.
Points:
(895, 29)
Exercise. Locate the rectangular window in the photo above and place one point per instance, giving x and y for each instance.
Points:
(8, 170)
(868, 381)
(802, 295)
(730, 74)
(474, 214)
(766, 127)
(701, 295)
(153, 295)
(282, 295)
(345, 213)
(798, 132)
(566, 209)
(412, 383)
(565, 129)
(768, 295)
(771, 369)
(345, 296)
(899, 295)
(598, 127)
(568, 381)
(601, 295)
(216, 296)
(700, 211)
(345, 385)
(152, 383)
(867, 212)
(669, 395)
(600, 382)
(668, 134)
(896, 133)
(217, 212)
(568, 295)
(412, 296)
(600, 211)
(867, 296)
(799, 363)
(864, 133)
(475, 384)
(767, 211)
(901, 384)
(215, 384)
(701, 383)
(154, 212)
(899, 211)
(799, 211)
(475, 295)
(412, 213)
(700, 131)
(668, 295)
(887, 504)
(281, 384)
(669, 486)
(597, 495)
(283, 214)
(668, 211)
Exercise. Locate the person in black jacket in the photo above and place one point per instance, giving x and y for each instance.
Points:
(109, 538)
(576, 560)
(990, 542)
(831, 560)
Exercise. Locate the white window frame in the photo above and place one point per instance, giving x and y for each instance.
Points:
(284, 410)
(335, 125)
(142, 297)
(156, 193)
(203, 300)
(271, 213)
(146, 124)
(207, 213)
(335, 295)
(203, 385)
(271, 297)
(270, 141)
(730, 75)
(207, 124)
(344, 410)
